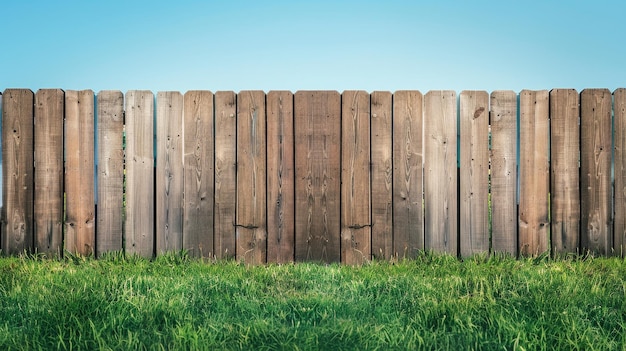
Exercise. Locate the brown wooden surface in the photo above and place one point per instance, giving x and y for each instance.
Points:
(440, 172)
(139, 224)
(169, 172)
(474, 173)
(503, 117)
(619, 109)
(225, 173)
(18, 171)
(565, 190)
(317, 122)
(408, 211)
(534, 172)
(80, 223)
(251, 225)
(199, 175)
(110, 168)
(382, 175)
(280, 177)
(356, 234)
(49, 104)
(595, 172)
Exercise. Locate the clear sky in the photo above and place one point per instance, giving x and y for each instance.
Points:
(370, 45)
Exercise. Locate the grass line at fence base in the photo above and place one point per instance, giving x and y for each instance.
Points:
(432, 302)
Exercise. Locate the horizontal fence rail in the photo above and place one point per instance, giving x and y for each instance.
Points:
(313, 175)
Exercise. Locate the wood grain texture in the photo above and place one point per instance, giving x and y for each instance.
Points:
(503, 116)
(169, 172)
(382, 175)
(251, 224)
(110, 225)
(595, 171)
(440, 172)
(199, 174)
(18, 171)
(408, 211)
(534, 173)
(139, 224)
(356, 239)
(619, 244)
(225, 173)
(474, 173)
(564, 154)
(80, 223)
(317, 126)
(49, 115)
(280, 177)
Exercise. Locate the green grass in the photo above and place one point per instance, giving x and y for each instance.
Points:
(433, 302)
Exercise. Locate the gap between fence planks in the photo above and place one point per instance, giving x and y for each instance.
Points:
(315, 175)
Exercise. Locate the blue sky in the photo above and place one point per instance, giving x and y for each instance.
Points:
(370, 45)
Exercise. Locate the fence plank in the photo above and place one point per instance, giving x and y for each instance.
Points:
(440, 172)
(619, 109)
(110, 207)
(408, 211)
(169, 172)
(18, 170)
(80, 226)
(534, 172)
(504, 171)
(225, 173)
(474, 173)
(356, 239)
(564, 153)
(280, 177)
(199, 175)
(595, 183)
(139, 223)
(251, 225)
(382, 166)
(49, 104)
(318, 154)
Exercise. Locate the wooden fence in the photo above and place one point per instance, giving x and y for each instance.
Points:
(315, 175)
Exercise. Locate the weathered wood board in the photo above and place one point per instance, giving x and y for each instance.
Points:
(317, 123)
(408, 210)
(356, 235)
(199, 174)
(225, 173)
(595, 171)
(440, 172)
(251, 224)
(49, 116)
(503, 119)
(110, 207)
(474, 173)
(534, 172)
(280, 178)
(139, 224)
(169, 172)
(619, 244)
(381, 175)
(80, 222)
(18, 171)
(565, 179)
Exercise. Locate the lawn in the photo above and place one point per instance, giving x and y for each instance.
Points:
(432, 302)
